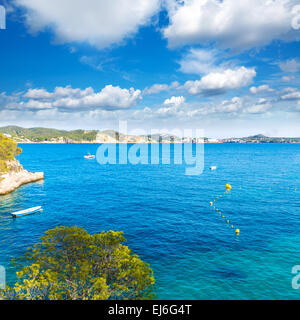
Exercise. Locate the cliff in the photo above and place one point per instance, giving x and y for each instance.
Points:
(12, 174)
(13, 180)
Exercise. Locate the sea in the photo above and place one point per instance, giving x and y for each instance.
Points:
(167, 218)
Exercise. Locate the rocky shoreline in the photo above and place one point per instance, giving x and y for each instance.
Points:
(11, 181)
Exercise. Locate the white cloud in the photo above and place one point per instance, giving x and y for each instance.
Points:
(287, 78)
(35, 105)
(157, 88)
(291, 65)
(290, 94)
(174, 101)
(37, 94)
(172, 107)
(100, 23)
(260, 89)
(177, 107)
(108, 98)
(238, 25)
(219, 82)
(229, 106)
(59, 92)
(259, 108)
(198, 61)
(240, 106)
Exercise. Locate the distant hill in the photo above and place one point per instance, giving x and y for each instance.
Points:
(258, 136)
(38, 134)
(46, 134)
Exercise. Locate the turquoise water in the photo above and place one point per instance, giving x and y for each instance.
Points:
(167, 219)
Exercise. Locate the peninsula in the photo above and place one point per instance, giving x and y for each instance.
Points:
(12, 174)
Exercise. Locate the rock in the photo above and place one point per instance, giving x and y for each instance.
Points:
(14, 179)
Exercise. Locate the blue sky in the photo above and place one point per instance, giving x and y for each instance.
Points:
(230, 68)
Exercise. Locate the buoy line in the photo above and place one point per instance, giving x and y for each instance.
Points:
(213, 204)
(228, 188)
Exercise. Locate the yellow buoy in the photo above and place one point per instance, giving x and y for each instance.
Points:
(227, 221)
(217, 209)
(228, 186)
(223, 217)
(232, 226)
(237, 232)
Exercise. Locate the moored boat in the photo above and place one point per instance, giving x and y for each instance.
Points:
(26, 212)
(89, 156)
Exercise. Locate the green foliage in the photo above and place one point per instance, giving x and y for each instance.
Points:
(46, 134)
(8, 150)
(71, 264)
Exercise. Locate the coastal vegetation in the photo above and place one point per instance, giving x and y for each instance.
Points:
(8, 150)
(46, 134)
(71, 264)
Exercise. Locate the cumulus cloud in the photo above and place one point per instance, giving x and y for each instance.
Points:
(291, 65)
(68, 98)
(174, 101)
(220, 82)
(37, 94)
(229, 106)
(199, 61)
(261, 107)
(100, 23)
(240, 106)
(237, 25)
(179, 108)
(35, 105)
(59, 92)
(172, 107)
(108, 98)
(290, 94)
(157, 88)
(261, 89)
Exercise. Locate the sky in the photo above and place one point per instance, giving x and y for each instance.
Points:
(231, 68)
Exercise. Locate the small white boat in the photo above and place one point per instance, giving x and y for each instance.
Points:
(26, 212)
(213, 168)
(89, 156)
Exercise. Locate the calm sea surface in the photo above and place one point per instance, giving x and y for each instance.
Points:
(167, 219)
